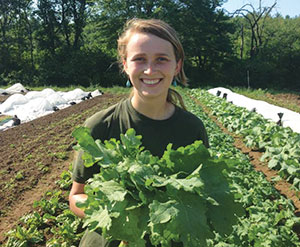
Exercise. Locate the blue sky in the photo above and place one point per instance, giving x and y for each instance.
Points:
(284, 7)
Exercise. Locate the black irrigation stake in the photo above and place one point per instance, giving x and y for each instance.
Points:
(280, 115)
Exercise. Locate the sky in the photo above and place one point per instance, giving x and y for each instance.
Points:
(284, 7)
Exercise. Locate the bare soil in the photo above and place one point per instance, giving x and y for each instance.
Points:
(285, 97)
(34, 154)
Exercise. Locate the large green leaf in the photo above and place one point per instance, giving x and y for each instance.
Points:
(185, 159)
(183, 219)
(182, 197)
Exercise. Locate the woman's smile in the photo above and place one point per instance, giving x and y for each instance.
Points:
(151, 81)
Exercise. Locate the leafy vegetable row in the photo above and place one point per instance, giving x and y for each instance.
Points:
(270, 218)
(51, 223)
(281, 146)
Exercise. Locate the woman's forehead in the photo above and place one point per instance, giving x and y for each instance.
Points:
(145, 42)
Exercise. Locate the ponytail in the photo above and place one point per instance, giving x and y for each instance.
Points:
(174, 97)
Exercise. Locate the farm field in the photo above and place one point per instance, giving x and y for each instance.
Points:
(35, 154)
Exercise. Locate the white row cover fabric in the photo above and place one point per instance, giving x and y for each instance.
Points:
(268, 111)
(16, 88)
(35, 104)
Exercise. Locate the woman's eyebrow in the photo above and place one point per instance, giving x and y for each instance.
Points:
(139, 54)
(162, 54)
(144, 54)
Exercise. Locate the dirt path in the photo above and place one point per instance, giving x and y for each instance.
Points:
(34, 154)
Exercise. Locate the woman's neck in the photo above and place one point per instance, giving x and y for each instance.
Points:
(158, 109)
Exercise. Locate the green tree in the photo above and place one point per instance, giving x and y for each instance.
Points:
(204, 32)
(281, 52)
(16, 49)
(60, 38)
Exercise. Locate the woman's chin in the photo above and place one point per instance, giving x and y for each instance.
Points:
(151, 93)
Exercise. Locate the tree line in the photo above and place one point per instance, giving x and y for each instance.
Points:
(73, 42)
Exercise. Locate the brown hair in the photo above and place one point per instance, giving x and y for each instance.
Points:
(164, 31)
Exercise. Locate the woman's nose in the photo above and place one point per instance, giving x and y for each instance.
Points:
(149, 68)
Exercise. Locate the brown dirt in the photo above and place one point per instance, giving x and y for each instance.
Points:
(285, 97)
(282, 186)
(3, 98)
(34, 154)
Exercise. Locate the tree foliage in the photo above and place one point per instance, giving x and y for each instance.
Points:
(62, 42)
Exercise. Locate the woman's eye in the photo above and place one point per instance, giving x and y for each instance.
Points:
(138, 59)
(162, 59)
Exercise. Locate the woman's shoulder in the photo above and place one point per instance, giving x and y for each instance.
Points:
(187, 117)
(105, 115)
(191, 123)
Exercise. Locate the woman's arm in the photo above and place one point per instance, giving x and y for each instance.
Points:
(77, 194)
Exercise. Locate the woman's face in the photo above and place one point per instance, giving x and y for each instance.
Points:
(151, 65)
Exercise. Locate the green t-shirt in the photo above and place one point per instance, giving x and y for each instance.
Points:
(181, 129)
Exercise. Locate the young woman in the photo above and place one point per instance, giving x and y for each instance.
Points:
(152, 56)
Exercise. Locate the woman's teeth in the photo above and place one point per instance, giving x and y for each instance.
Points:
(150, 82)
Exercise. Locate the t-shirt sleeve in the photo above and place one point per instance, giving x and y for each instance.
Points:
(98, 124)
(81, 173)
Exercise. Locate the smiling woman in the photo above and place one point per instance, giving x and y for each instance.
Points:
(164, 37)
(152, 57)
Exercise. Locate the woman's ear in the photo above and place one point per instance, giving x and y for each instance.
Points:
(124, 66)
(178, 67)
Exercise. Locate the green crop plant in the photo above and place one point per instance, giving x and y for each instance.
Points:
(183, 197)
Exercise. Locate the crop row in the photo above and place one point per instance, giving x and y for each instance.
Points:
(281, 146)
(269, 219)
(51, 223)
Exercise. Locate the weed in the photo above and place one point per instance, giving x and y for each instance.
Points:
(59, 155)
(50, 142)
(28, 157)
(3, 172)
(10, 185)
(19, 176)
(42, 167)
(63, 147)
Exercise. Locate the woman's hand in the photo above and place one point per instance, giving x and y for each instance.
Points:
(77, 195)
(123, 243)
